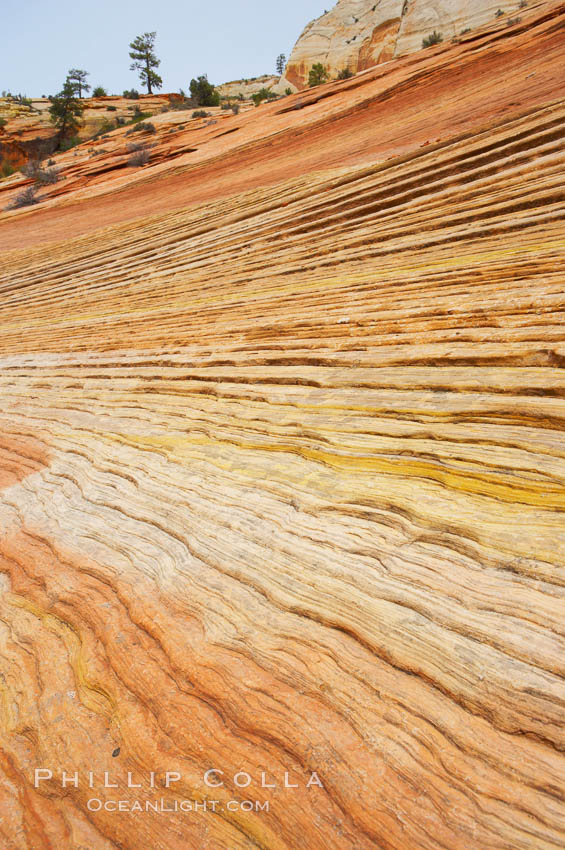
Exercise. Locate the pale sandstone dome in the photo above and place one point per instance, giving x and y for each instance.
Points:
(247, 87)
(357, 34)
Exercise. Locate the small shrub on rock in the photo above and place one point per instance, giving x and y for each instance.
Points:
(45, 176)
(183, 105)
(67, 144)
(200, 113)
(142, 127)
(203, 93)
(41, 176)
(25, 199)
(263, 94)
(317, 75)
(499, 13)
(31, 168)
(139, 158)
(433, 38)
(138, 115)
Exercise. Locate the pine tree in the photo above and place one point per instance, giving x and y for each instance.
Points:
(281, 64)
(318, 74)
(143, 54)
(203, 92)
(78, 79)
(65, 110)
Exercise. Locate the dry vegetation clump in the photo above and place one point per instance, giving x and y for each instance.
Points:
(24, 199)
(139, 158)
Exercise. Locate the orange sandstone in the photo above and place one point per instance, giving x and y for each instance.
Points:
(283, 470)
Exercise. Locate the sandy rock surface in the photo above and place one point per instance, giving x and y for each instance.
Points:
(248, 87)
(282, 470)
(357, 34)
(28, 132)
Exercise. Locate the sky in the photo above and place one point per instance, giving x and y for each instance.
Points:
(225, 39)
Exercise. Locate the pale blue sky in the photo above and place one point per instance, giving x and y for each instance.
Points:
(227, 39)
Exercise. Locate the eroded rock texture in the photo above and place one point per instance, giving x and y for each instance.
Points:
(357, 34)
(246, 88)
(27, 132)
(281, 458)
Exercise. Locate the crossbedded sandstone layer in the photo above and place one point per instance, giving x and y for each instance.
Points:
(282, 471)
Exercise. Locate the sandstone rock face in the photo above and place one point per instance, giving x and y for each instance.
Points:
(282, 471)
(29, 134)
(357, 34)
(248, 87)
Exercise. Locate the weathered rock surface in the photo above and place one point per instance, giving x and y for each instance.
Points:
(283, 473)
(248, 87)
(28, 132)
(358, 34)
